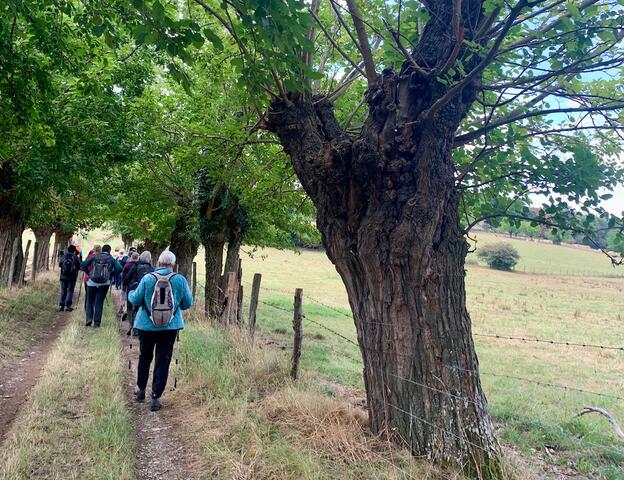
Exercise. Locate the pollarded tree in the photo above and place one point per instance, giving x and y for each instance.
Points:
(470, 106)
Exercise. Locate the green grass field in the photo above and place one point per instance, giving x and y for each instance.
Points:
(544, 257)
(564, 308)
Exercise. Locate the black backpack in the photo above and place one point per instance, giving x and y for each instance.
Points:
(101, 268)
(68, 265)
(140, 270)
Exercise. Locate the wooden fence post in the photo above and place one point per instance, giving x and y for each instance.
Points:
(13, 255)
(298, 315)
(24, 263)
(33, 268)
(194, 282)
(228, 316)
(253, 303)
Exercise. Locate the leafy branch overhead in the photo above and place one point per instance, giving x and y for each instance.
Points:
(548, 104)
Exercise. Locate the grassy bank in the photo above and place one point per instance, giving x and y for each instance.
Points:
(24, 314)
(247, 420)
(75, 424)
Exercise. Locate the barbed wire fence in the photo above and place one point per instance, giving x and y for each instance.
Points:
(523, 339)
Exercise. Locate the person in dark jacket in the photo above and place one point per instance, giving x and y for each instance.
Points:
(69, 265)
(101, 269)
(133, 277)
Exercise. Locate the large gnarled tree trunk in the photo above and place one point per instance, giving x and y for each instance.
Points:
(11, 229)
(43, 234)
(184, 245)
(388, 214)
(218, 211)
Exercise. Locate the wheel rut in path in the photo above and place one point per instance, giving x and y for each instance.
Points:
(18, 378)
(160, 452)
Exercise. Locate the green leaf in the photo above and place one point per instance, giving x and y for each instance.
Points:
(213, 38)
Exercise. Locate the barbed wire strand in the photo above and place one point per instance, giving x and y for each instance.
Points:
(510, 377)
(476, 334)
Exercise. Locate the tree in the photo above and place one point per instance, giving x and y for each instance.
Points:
(501, 256)
(471, 106)
(62, 99)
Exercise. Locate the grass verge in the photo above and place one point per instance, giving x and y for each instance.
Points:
(24, 314)
(76, 424)
(246, 420)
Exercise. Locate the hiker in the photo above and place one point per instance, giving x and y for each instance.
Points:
(122, 258)
(70, 266)
(135, 274)
(162, 295)
(101, 268)
(124, 261)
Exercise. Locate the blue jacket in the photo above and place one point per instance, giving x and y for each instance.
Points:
(142, 297)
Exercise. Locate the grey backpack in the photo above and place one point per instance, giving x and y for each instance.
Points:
(163, 301)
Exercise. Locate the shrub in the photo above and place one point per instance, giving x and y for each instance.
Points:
(501, 256)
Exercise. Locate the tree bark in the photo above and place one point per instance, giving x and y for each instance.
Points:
(127, 240)
(388, 215)
(184, 246)
(155, 248)
(11, 229)
(214, 264)
(43, 234)
(63, 238)
(233, 254)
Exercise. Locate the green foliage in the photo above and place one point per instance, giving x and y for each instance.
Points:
(501, 256)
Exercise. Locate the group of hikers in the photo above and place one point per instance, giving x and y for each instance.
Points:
(153, 299)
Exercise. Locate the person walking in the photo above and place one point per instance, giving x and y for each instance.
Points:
(101, 268)
(69, 265)
(133, 277)
(159, 321)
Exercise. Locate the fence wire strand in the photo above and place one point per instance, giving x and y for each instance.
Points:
(476, 334)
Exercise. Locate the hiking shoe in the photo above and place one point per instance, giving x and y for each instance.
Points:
(124, 317)
(61, 309)
(69, 309)
(97, 325)
(155, 405)
(139, 395)
(88, 324)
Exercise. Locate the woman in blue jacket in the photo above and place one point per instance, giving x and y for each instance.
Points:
(151, 337)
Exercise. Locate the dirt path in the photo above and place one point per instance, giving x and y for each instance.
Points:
(160, 452)
(16, 380)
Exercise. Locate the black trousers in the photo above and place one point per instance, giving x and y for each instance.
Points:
(67, 292)
(163, 341)
(95, 303)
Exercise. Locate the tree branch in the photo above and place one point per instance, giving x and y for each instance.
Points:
(616, 426)
(367, 56)
(451, 92)
(337, 47)
(468, 137)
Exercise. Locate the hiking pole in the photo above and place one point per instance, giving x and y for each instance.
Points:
(177, 362)
(80, 288)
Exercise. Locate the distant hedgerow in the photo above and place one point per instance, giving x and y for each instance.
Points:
(501, 256)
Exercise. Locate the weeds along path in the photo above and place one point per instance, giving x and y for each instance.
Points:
(159, 449)
(18, 378)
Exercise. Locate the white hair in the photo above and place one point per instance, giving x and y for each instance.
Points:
(167, 258)
(145, 256)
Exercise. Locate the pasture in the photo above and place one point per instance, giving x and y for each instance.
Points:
(533, 417)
